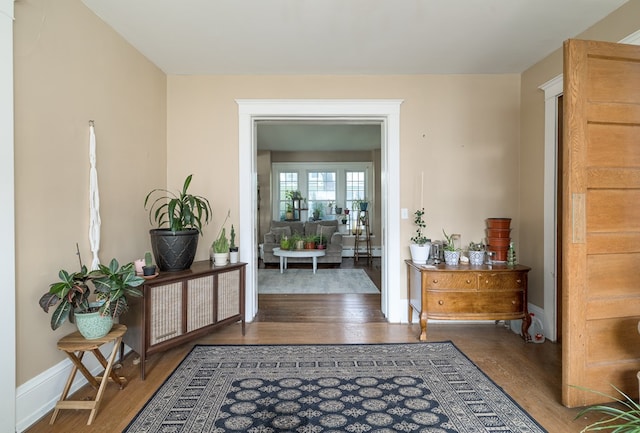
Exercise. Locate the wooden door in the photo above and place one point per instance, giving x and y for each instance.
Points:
(601, 222)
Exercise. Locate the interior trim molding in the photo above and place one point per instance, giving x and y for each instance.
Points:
(387, 111)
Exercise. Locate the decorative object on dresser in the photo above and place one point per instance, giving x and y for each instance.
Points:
(420, 246)
(149, 269)
(451, 253)
(113, 285)
(179, 306)
(487, 292)
(476, 253)
(498, 237)
(174, 247)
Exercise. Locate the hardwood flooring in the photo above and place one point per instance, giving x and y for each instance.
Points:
(529, 373)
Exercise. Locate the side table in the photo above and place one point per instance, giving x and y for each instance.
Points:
(75, 346)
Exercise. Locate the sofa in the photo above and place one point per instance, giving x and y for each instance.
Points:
(333, 251)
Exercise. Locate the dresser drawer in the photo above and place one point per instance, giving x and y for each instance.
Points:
(501, 281)
(449, 303)
(499, 302)
(452, 280)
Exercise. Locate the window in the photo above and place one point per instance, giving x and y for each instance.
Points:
(288, 181)
(321, 190)
(321, 184)
(355, 187)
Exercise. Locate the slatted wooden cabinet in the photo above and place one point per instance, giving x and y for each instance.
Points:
(180, 306)
(496, 292)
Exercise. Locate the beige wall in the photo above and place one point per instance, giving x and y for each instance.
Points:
(70, 68)
(461, 131)
(615, 27)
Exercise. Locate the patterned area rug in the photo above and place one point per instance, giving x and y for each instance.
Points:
(304, 281)
(382, 388)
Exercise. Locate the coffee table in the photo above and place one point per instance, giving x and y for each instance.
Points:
(284, 254)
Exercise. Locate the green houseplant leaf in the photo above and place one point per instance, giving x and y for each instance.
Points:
(178, 211)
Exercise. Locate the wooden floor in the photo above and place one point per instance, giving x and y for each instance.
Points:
(529, 373)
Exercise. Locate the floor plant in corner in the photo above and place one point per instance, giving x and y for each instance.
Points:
(184, 214)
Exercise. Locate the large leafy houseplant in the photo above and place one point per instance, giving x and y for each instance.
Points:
(184, 214)
(71, 294)
(180, 212)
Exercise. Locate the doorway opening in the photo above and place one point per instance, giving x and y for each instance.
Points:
(384, 111)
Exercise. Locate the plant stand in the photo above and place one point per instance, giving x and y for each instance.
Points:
(75, 342)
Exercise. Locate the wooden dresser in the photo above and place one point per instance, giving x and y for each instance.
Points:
(487, 292)
(179, 306)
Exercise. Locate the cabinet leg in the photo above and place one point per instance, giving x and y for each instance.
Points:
(423, 326)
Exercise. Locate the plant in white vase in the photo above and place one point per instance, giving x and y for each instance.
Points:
(420, 245)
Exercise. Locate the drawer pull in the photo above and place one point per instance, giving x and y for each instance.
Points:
(435, 281)
(518, 281)
(486, 281)
(513, 302)
(468, 281)
(440, 302)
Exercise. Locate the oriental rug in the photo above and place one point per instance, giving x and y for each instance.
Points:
(304, 281)
(417, 387)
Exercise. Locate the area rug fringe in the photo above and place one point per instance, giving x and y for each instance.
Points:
(409, 387)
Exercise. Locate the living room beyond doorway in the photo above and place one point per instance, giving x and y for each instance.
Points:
(325, 308)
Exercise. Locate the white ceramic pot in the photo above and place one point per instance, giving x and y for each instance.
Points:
(420, 253)
(452, 258)
(233, 257)
(220, 259)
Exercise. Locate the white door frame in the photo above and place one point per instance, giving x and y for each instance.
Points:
(387, 111)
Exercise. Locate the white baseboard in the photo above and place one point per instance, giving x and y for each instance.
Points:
(39, 395)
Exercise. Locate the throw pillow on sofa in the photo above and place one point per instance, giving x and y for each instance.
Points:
(279, 232)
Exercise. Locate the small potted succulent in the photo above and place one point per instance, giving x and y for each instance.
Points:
(233, 248)
(310, 242)
(451, 254)
(476, 253)
(149, 269)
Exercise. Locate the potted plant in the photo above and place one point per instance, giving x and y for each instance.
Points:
(296, 242)
(94, 319)
(233, 248)
(285, 243)
(420, 245)
(174, 247)
(149, 269)
(451, 254)
(317, 211)
(220, 246)
(476, 253)
(310, 242)
(622, 418)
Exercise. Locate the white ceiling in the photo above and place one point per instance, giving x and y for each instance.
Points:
(346, 37)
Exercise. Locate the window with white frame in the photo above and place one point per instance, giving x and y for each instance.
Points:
(337, 184)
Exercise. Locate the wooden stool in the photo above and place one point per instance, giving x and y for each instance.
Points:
(75, 342)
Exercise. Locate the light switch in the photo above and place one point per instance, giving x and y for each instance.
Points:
(404, 213)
